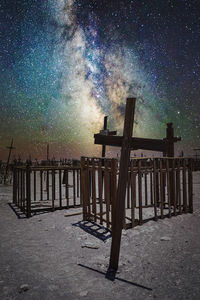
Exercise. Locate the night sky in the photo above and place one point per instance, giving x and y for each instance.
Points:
(65, 64)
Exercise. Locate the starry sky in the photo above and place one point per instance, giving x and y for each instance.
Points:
(65, 64)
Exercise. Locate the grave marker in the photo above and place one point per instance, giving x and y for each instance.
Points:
(128, 143)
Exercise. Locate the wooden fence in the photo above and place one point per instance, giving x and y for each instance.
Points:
(157, 187)
(46, 188)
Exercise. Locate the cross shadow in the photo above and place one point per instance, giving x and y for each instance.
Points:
(111, 275)
(94, 229)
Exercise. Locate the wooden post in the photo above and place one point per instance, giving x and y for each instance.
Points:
(190, 187)
(140, 191)
(104, 128)
(121, 191)
(168, 187)
(94, 191)
(74, 187)
(88, 187)
(83, 189)
(14, 185)
(100, 190)
(34, 185)
(21, 194)
(18, 187)
(170, 153)
(161, 188)
(113, 187)
(66, 181)
(60, 188)
(184, 185)
(151, 183)
(155, 189)
(47, 185)
(28, 191)
(178, 187)
(41, 185)
(23, 191)
(145, 182)
(174, 186)
(128, 190)
(77, 185)
(53, 189)
(133, 193)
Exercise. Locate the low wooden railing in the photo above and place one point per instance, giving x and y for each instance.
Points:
(157, 187)
(44, 188)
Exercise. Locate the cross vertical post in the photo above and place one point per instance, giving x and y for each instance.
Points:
(170, 138)
(121, 190)
(104, 128)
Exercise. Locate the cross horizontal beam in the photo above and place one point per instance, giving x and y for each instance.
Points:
(136, 143)
(174, 139)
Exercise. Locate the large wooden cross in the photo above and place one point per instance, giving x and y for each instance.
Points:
(127, 143)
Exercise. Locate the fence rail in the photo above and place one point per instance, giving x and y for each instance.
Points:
(156, 188)
(46, 188)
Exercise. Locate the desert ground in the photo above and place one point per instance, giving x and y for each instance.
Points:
(51, 256)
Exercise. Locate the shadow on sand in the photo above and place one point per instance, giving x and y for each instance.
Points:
(111, 275)
(94, 229)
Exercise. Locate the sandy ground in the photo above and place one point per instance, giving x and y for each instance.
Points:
(47, 257)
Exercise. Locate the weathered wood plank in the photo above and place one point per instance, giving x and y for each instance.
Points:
(140, 191)
(133, 193)
(94, 209)
(135, 144)
(121, 191)
(100, 191)
(60, 188)
(190, 186)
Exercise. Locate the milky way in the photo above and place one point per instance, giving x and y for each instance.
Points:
(65, 64)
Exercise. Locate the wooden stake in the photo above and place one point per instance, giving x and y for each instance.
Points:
(100, 177)
(133, 193)
(28, 192)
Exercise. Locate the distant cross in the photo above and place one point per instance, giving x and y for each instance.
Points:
(8, 160)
